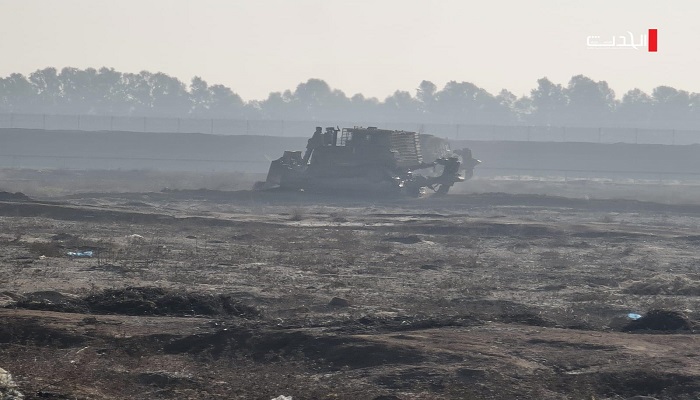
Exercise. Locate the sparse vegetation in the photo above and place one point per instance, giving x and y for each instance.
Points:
(297, 214)
(666, 284)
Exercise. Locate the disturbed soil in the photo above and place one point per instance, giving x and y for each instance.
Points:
(194, 294)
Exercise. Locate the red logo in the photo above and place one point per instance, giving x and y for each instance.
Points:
(653, 39)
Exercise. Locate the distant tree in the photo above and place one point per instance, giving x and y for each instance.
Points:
(109, 92)
(137, 90)
(17, 94)
(506, 112)
(48, 89)
(278, 105)
(312, 97)
(401, 107)
(549, 103)
(506, 98)
(582, 102)
(589, 101)
(169, 96)
(523, 109)
(224, 103)
(317, 101)
(635, 109)
(694, 118)
(426, 96)
(464, 102)
(79, 90)
(200, 97)
(671, 107)
(364, 109)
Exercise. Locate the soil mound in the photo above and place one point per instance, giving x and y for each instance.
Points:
(665, 285)
(410, 239)
(50, 300)
(660, 320)
(159, 301)
(30, 332)
(335, 351)
(18, 196)
(502, 311)
(636, 384)
(141, 301)
(372, 324)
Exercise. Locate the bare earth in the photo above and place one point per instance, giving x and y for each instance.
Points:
(254, 295)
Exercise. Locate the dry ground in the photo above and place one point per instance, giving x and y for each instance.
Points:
(256, 295)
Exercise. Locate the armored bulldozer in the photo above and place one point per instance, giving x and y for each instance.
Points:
(368, 159)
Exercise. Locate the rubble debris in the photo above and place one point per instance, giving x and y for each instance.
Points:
(80, 254)
(660, 320)
(8, 387)
(339, 302)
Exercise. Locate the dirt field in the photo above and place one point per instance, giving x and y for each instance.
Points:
(198, 294)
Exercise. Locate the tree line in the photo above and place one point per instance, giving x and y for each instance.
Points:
(581, 102)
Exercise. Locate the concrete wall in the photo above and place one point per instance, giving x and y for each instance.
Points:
(24, 148)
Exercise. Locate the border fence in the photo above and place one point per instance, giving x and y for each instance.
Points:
(292, 128)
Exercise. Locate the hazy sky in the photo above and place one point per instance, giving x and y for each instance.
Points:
(373, 47)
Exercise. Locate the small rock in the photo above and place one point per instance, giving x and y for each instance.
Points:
(410, 239)
(7, 300)
(133, 239)
(7, 387)
(339, 302)
(89, 321)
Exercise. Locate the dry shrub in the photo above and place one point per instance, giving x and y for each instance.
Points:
(297, 214)
(665, 285)
(607, 219)
(338, 217)
(48, 249)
